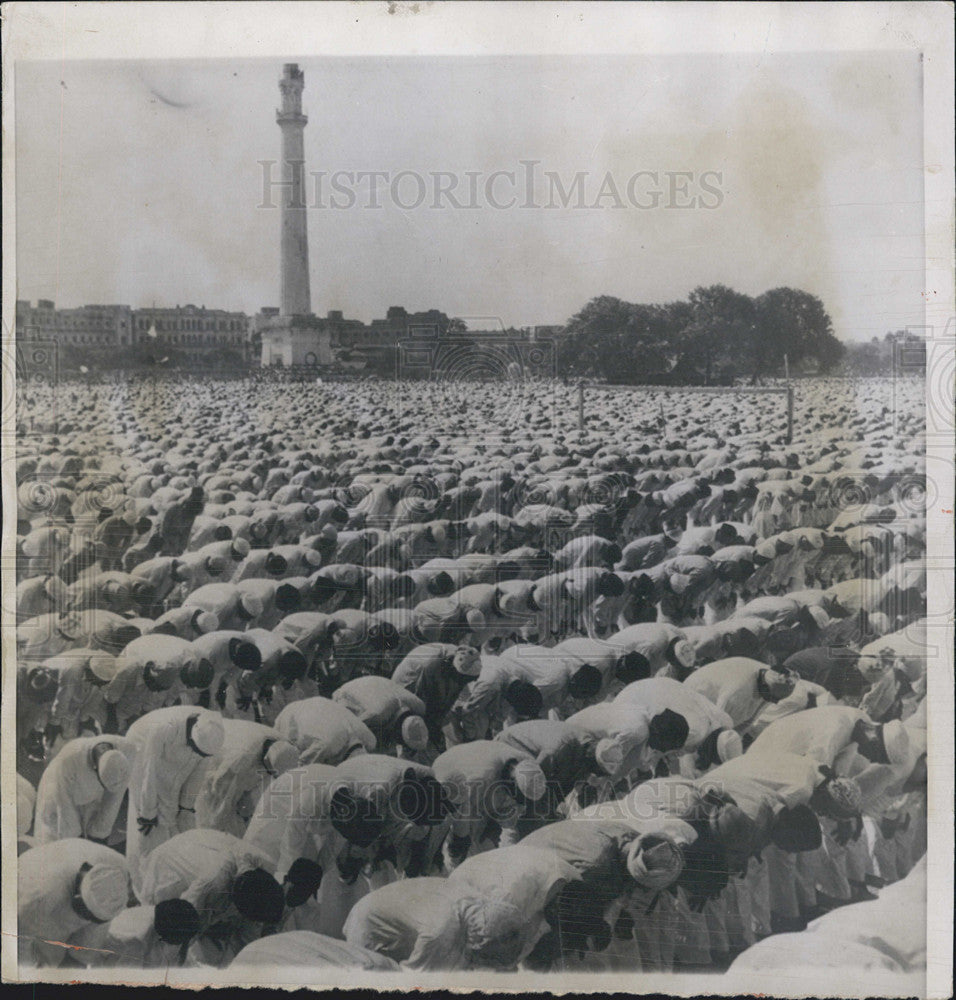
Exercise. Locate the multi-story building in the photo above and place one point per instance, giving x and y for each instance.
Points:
(191, 330)
(87, 326)
(35, 322)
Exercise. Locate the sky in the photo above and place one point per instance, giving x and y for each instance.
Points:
(142, 182)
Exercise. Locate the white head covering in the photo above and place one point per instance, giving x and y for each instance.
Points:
(414, 732)
(215, 565)
(282, 756)
(609, 754)
(668, 862)
(897, 742)
(684, 653)
(103, 666)
(104, 890)
(251, 604)
(113, 769)
(208, 733)
(820, 617)
(206, 621)
(729, 745)
(475, 618)
(530, 779)
(468, 661)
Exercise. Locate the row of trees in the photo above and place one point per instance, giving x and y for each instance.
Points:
(899, 352)
(715, 336)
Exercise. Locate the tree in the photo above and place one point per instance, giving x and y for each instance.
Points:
(720, 329)
(794, 323)
(714, 335)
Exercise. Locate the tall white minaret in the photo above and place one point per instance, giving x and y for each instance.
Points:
(294, 264)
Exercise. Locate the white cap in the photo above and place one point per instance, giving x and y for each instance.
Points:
(530, 779)
(668, 862)
(208, 733)
(104, 890)
(684, 653)
(897, 742)
(113, 769)
(206, 621)
(240, 548)
(610, 755)
(729, 745)
(414, 732)
(251, 604)
(468, 661)
(282, 756)
(475, 618)
(819, 616)
(215, 565)
(102, 666)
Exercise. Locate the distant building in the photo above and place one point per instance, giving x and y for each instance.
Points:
(108, 326)
(116, 331)
(193, 331)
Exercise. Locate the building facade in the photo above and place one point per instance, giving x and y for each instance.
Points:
(105, 326)
(192, 329)
(192, 332)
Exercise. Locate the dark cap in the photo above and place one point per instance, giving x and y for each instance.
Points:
(355, 819)
(610, 585)
(668, 731)
(258, 896)
(524, 698)
(633, 666)
(304, 878)
(288, 598)
(275, 564)
(292, 666)
(796, 829)
(197, 675)
(585, 682)
(176, 921)
(245, 655)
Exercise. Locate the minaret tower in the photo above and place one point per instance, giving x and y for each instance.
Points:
(294, 264)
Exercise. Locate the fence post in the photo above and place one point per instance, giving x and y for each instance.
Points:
(581, 407)
(789, 414)
(786, 372)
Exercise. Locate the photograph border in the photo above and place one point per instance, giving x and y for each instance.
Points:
(90, 31)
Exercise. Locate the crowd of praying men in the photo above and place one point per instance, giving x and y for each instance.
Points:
(399, 677)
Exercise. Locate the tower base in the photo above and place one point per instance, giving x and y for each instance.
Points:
(296, 340)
